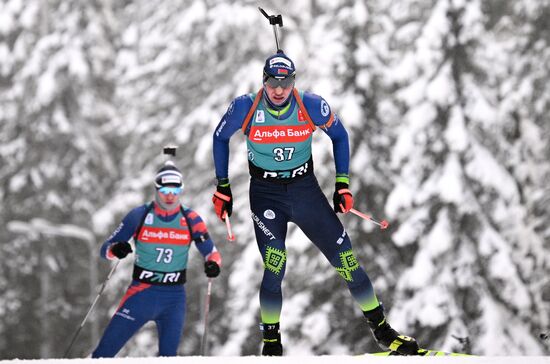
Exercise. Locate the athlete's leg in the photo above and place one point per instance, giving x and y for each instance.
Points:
(320, 223)
(270, 226)
(269, 205)
(170, 320)
(317, 219)
(133, 312)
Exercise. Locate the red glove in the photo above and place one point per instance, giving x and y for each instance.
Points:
(342, 198)
(223, 201)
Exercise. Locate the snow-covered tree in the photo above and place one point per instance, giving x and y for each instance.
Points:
(446, 105)
(457, 199)
(58, 156)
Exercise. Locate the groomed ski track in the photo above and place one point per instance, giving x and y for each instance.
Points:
(333, 359)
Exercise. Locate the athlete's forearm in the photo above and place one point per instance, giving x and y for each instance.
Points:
(220, 150)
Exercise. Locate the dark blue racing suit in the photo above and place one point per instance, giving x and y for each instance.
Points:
(284, 189)
(157, 291)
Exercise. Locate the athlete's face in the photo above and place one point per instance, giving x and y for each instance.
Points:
(169, 195)
(278, 95)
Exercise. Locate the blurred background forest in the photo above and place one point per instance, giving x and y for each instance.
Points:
(446, 103)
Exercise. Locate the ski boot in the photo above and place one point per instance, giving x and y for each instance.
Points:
(388, 337)
(272, 340)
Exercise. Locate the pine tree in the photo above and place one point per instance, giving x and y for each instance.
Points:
(446, 106)
(56, 166)
(455, 197)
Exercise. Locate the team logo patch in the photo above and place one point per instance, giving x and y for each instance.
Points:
(221, 127)
(250, 155)
(301, 117)
(282, 60)
(149, 219)
(274, 259)
(282, 71)
(170, 179)
(341, 238)
(271, 134)
(157, 235)
(260, 117)
(325, 109)
(230, 108)
(262, 227)
(348, 260)
(348, 265)
(126, 314)
(269, 214)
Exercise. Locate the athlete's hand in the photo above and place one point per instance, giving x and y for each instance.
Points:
(212, 264)
(121, 249)
(342, 198)
(211, 268)
(223, 200)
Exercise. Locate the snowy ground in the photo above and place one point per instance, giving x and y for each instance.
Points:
(294, 359)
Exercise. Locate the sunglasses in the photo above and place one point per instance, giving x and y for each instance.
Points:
(280, 82)
(170, 190)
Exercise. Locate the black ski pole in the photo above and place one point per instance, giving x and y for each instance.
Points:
(206, 310)
(274, 20)
(90, 310)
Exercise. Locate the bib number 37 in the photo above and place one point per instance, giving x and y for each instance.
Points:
(283, 154)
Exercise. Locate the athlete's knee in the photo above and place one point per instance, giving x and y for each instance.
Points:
(348, 267)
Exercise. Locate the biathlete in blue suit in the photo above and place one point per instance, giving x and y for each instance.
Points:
(163, 232)
(278, 122)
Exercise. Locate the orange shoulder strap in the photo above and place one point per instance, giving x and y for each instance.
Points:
(304, 111)
(303, 108)
(252, 109)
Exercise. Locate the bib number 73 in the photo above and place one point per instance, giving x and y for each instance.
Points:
(283, 154)
(164, 255)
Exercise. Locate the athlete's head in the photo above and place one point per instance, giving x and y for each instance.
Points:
(279, 75)
(169, 186)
